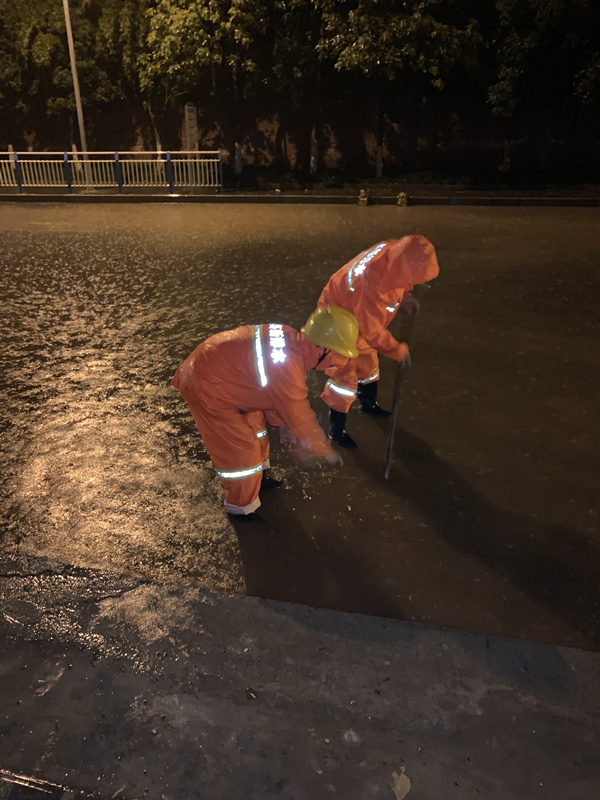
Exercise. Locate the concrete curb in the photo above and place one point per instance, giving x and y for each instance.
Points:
(573, 202)
(171, 199)
(306, 199)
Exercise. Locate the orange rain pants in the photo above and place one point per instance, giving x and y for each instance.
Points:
(371, 287)
(236, 380)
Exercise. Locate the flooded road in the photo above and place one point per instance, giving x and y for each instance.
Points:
(489, 522)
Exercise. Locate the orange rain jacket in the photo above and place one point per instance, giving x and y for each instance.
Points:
(231, 382)
(372, 286)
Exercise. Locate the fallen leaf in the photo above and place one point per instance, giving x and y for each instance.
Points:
(400, 785)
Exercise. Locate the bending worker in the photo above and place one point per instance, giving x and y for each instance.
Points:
(372, 287)
(233, 380)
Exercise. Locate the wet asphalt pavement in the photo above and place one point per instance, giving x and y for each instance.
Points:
(489, 522)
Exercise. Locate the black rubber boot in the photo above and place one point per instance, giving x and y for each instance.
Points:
(367, 394)
(337, 434)
(269, 482)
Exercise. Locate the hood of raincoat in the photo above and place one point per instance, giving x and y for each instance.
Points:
(403, 264)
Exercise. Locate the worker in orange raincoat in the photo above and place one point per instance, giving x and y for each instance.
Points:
(236, 379)
(373, 286)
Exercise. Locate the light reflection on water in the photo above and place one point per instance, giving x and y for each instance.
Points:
(102, 465)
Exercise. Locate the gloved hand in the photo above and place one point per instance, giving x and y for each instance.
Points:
(402, 355)
(410, 304)
(286, 437)
(335, 458)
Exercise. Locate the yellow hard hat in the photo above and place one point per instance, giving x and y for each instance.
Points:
(333, 328)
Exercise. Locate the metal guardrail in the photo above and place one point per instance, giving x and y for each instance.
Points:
(108, 169)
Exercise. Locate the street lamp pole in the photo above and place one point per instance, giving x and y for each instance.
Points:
(77, 92)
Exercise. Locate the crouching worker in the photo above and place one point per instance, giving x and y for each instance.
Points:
(373, 286)
(237, 379)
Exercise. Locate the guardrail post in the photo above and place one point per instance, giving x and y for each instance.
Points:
(67, 171)
(170, 173)
(221, 171)
(118, 172)
(18, 173)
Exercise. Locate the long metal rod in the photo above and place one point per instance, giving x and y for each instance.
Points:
(399, 381)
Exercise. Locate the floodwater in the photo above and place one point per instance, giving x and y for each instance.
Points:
(489, 522)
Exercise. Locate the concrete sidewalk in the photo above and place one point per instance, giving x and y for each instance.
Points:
(128, 689)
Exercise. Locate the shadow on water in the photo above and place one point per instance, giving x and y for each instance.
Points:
(283, 561)
(280, 560)
(552, 564)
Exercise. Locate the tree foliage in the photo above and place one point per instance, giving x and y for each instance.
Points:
(390, 38)
(539, 46)
(148, 57)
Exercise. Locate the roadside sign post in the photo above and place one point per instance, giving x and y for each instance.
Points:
(191, 137)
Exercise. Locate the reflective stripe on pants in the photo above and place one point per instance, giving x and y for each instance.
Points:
(231, 439)
(355, 370)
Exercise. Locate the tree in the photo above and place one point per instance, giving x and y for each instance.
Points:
(188, 40)
(296, 71)
(388, 39)
(538, 47)
(35, 68)
(587, 79)
(33, 61)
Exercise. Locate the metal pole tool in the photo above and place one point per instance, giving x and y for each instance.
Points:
(418, 292)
